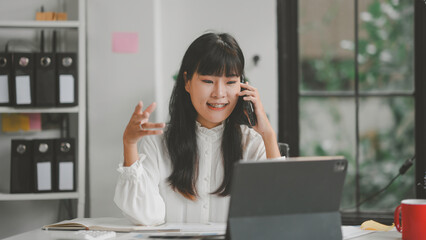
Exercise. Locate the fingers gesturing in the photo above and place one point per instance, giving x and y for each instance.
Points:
(139, 124)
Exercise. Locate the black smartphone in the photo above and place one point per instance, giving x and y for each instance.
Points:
(248, 106)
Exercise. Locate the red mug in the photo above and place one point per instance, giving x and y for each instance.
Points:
(413, 220)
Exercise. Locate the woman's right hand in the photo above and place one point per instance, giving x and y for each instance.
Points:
(138, 127)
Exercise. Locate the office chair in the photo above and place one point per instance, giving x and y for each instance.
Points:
(284, 149)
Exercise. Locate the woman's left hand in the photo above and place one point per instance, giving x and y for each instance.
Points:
(263, 126)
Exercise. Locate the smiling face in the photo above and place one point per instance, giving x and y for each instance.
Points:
(213, 97)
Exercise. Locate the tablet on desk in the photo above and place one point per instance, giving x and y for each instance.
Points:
(297, 198)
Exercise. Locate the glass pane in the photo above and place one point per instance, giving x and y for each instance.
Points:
(386, 141)
(327, 127)
(386, 45)
(326, 45)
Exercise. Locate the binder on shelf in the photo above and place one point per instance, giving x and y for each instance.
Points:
(65, 172)
(67, 79)
(23, 64)
(22, 170)
(5, 79)
(44, 160)
(45, 80)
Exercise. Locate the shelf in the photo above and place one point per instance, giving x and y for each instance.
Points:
(37, 196)
(40, 110)
(13, 28)
(39, 24)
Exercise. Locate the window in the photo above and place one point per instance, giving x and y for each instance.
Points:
(347, 87)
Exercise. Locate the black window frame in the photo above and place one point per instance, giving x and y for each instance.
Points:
(289, 94)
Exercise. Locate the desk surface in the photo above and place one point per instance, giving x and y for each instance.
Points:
(39, 234)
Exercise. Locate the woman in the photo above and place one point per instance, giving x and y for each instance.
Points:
(184, 174)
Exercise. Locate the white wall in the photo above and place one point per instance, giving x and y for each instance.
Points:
(116, 82)
(166, 28)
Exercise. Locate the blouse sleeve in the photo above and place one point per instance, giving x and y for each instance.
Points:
(137, 191)
(255, 147)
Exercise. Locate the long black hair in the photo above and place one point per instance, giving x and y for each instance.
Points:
(210, 54)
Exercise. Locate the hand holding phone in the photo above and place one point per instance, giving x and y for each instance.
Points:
(248, 106)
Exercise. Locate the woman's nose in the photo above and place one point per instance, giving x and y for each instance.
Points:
(219, 90)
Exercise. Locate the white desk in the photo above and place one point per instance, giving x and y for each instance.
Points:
(393, 235)
(39, 234)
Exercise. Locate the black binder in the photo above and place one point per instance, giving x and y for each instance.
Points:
(45, 79)
(44, 165)
(65, 171)
(67, 77)
(5, 79)
(23, 84)
(21, 170)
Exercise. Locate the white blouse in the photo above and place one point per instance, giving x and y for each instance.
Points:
(145, 196)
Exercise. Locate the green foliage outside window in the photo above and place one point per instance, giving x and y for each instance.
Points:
(386, 62)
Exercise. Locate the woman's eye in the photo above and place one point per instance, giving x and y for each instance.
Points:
(231, 82)
(207, 81)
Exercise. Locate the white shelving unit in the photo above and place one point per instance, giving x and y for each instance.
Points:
(80, 110)
(38, 196)
(39, 24)
(39, 110)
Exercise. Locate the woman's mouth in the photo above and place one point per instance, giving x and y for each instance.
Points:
(217, 106)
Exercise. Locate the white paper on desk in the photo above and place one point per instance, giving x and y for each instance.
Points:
(185, 230)
(350, 232)
(219, 228)
(177, 235)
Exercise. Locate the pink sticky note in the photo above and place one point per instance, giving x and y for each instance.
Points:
(35, 121)
(125, 42)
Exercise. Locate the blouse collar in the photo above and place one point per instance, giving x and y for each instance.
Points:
(212, 133)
